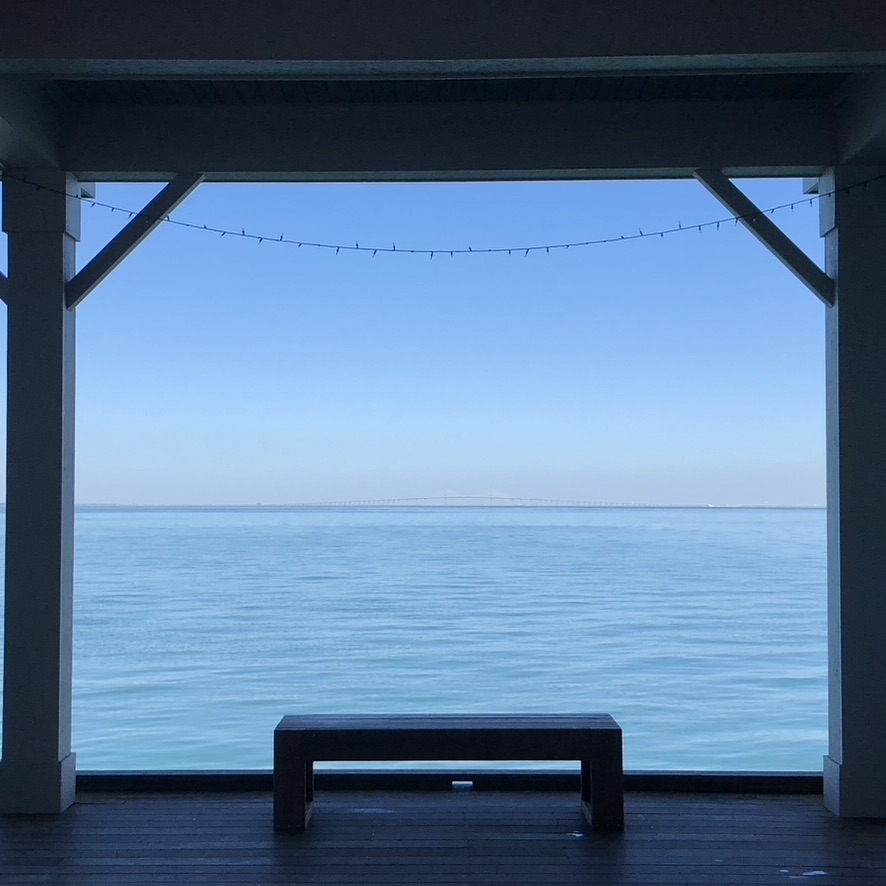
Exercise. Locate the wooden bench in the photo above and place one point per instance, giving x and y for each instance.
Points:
(593, 739)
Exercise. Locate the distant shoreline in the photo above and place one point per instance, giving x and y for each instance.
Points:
(454, 504)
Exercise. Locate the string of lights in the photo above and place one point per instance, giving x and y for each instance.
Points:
(393, 249)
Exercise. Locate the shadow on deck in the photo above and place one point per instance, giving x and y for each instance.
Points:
(371, 837)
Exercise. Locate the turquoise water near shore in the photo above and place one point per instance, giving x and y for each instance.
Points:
(703, 632)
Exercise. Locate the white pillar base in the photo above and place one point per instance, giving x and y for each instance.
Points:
(854, 792)
(38, 787)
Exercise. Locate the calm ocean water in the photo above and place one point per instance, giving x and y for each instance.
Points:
(703, 632)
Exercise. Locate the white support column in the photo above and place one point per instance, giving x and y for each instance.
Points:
(37, 771)
(854, 225)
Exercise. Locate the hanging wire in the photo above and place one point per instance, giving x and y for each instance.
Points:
(547, 248)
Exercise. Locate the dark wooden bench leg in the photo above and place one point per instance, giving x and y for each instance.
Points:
(585, 781)
(602, 788)
(293, 786)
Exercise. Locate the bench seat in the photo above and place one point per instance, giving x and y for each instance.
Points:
(595, 740)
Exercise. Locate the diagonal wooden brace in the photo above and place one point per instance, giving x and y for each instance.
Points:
(130, 237)
(768, 233)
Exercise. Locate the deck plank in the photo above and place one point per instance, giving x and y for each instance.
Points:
(461, 837)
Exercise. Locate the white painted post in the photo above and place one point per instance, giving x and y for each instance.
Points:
(37, 772)
(853, 223)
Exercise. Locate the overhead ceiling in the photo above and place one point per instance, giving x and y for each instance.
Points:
(399, 90)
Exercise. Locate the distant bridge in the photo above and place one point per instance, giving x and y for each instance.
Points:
(477, 500)
(512, 501)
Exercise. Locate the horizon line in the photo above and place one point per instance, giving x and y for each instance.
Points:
(455, 502)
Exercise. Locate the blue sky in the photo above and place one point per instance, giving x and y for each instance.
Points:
(683, 370)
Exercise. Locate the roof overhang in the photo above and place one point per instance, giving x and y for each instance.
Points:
(55, 39)
(388, 90)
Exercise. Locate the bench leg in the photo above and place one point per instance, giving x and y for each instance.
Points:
(293, 798)
(602, 790)
(293, 789)
(585, 781)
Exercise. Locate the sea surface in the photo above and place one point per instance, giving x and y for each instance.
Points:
(702, 631)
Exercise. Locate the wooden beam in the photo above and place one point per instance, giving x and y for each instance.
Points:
(768, 233)
(55, 39)
(862, 129)
(130, 237)
(31, 117)
(485, 140)
(4, 288)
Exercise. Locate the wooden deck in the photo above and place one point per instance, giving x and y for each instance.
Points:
(441, 837)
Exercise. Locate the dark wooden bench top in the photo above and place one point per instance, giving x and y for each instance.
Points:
(593, 739)
(559, 722)
(450, 736)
